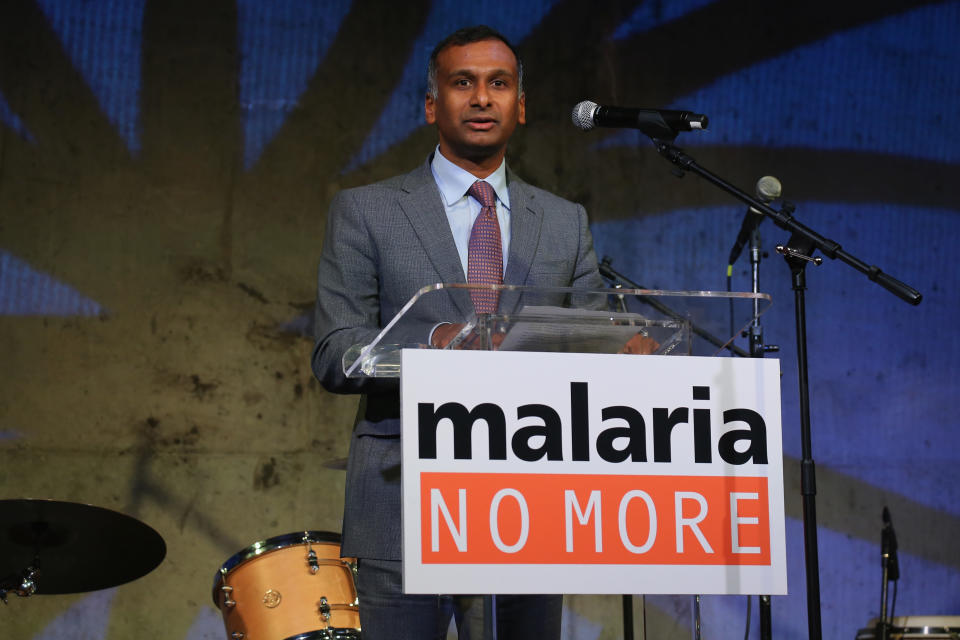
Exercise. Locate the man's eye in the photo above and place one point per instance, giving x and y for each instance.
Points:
(462, 82)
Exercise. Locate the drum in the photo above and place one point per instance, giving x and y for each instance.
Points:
(291, 587)
(905, 627)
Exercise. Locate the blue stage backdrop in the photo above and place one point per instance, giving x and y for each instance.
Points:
(851, 108)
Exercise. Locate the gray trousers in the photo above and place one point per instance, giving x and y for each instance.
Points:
(386, 613)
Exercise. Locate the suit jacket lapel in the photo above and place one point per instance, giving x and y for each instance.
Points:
(526, 218)
(421, 203)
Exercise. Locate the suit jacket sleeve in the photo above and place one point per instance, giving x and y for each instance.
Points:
(347, 308)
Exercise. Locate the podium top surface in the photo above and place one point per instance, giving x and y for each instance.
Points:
(561, 319)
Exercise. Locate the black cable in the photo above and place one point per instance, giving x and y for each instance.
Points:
(746, 634)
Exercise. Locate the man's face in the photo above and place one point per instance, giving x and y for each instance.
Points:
(477, 106)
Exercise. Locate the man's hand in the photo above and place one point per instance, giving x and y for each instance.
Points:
(444, 333)
(640, 344)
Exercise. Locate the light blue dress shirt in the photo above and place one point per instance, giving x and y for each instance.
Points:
(462, 209)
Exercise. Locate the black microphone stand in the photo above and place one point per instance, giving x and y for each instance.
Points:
(798, 252)
(757, 350)
(885, 564)
(891, 571)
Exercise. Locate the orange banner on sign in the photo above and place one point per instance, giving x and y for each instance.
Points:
(490, 518)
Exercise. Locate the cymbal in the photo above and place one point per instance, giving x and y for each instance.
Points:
(76, 547)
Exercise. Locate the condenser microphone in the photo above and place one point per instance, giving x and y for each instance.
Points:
(768, 190)
(656, 123)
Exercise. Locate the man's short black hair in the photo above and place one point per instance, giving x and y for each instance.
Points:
(469, 35)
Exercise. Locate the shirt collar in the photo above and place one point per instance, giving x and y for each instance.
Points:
(454, 181)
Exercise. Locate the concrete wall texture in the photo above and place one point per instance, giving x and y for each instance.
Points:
(165, 168)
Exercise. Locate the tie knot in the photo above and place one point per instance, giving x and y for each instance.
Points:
(483, 193)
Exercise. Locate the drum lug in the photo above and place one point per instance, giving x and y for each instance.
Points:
(311, 554)
(238, 635)
(324, 609)
(312, 560)
(227, 600)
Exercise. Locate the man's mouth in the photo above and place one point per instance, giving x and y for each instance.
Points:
(481, 124)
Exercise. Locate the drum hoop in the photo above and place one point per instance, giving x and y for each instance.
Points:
(276, 543)
(330, 633)
(936, 627)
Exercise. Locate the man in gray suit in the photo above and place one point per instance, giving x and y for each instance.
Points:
(383, 243)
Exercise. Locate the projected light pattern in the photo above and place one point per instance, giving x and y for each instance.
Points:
(208, 625)
(27, 292)
(13, 121)
(882, 373)
(281, 44)
(85, 620)
(103, 40)
(655, 13)
(887, 105)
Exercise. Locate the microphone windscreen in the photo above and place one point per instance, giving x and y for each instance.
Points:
(768, 189)
(582, 115)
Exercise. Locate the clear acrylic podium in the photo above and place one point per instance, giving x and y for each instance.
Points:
(560, 319)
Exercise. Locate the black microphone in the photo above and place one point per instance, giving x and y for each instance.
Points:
(888, 546)
(656, 123)
(768, 190)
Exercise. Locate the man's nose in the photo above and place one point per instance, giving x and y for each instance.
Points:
(481, 95)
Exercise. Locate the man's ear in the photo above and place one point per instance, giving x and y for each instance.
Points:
(522, 115)
(430, 109)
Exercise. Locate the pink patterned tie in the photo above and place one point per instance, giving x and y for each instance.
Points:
(485, 251)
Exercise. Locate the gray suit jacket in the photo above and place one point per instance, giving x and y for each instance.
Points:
(383, 243)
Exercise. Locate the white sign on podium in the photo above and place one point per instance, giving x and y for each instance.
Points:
(586, 473)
